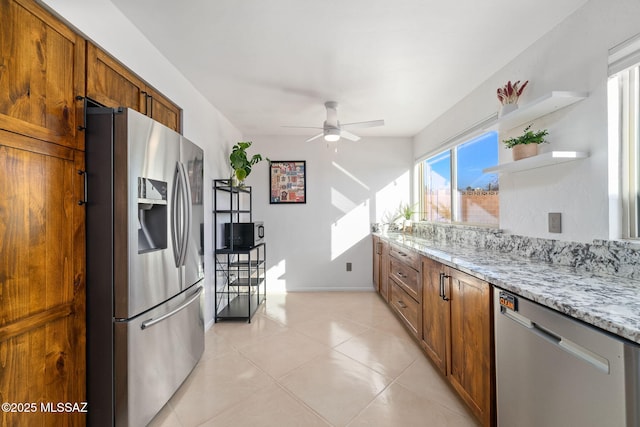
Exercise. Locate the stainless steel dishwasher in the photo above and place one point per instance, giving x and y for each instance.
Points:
(553, 370)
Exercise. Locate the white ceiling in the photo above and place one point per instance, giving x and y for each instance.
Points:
(269, 63)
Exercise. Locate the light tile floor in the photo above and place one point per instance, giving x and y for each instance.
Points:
(314, 359)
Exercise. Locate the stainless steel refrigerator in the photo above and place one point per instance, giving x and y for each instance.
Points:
(145, 327)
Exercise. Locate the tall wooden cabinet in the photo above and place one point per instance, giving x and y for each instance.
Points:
(44, 77)
(42, 270)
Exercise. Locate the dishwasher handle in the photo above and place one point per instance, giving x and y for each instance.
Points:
(576, 350)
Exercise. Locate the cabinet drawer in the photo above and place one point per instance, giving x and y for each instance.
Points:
(405, 276)
(407, 256)
(406, 306)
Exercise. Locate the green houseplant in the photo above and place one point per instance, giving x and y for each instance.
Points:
(406, 211)
(239, 161)
(526, 145)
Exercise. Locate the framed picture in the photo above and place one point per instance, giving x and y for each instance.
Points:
(288, 182)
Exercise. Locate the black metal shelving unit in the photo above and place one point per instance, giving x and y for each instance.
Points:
(240, 280)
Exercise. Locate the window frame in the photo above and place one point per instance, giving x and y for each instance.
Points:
(455, 192)
(623, 87)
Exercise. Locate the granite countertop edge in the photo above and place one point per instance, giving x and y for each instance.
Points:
(608, 302)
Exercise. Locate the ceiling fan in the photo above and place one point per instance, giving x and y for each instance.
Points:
(332, 129)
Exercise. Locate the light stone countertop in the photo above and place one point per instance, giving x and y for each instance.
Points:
(608, 302)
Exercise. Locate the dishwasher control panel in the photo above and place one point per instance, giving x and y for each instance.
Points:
(508, 301)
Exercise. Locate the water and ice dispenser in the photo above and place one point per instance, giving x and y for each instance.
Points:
(152, 215)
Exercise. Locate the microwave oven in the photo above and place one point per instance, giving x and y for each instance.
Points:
(244, 235)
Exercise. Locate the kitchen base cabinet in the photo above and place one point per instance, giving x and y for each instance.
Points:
(458, 334)
(435, 313)
(450, 313)
(381, 267)
(471, 368)
(405, 287)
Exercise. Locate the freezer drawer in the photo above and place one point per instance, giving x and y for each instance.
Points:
(553, 370)
(155, 352)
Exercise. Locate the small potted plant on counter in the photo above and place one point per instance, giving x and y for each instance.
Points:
(508, 96)
(240, 163)
(526, 145)
(406, 211)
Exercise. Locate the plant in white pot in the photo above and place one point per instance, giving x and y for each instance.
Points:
(508, 96)
(406, 211)
(526, 145)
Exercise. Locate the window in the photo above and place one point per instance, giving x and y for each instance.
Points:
(475, 199)
(624, 137)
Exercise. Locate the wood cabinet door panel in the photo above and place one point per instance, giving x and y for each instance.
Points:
(471, 337)
(384, 271)
(162, 110)
(111, 83)
(435, 314)
(377, 258)
(41, 72)
(42, 333)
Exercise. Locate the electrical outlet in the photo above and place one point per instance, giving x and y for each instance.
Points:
(349, 266)
(555, 222)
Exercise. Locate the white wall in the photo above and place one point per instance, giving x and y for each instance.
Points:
(308, 245)
(101, 22)
(573, 56)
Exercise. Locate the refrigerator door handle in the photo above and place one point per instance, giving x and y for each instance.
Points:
(176, 219)
(149, 323)
(186, 214)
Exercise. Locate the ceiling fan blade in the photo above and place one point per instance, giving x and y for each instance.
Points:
(302, 127)
(314, 137)
(349, 135)
(368, 124)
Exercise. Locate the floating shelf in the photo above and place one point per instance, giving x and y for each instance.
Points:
(540, 107)
(541, 160)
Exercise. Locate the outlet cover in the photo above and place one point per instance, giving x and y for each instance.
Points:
(349, 266)
(555, 222)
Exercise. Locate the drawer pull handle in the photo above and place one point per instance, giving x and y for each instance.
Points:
(399, 273)
(402, 304)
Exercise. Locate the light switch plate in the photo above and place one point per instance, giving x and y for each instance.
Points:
(555, 222)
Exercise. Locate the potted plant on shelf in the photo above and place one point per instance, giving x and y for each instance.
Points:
(240, 163)
(508, 96)
(526, 145)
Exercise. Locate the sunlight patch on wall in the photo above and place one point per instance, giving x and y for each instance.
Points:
(277, 283)
(350, 175)
(341, 202)
(389, 198)
(350, 229)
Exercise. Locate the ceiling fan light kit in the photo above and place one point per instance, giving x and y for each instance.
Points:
(331, 134)
(333, 130)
